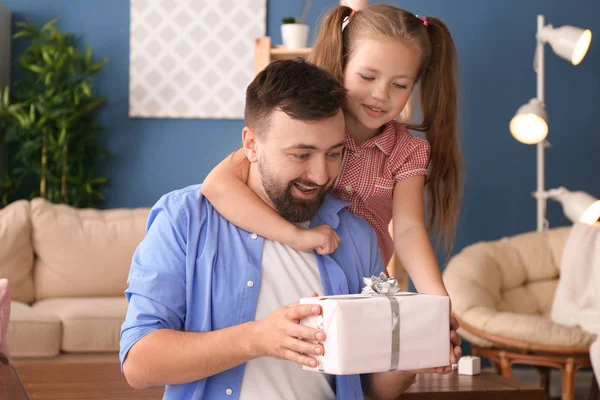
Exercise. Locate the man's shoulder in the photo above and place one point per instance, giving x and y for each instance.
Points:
(357, 224)
(188, 200)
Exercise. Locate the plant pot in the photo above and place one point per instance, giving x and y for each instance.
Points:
(294, 36)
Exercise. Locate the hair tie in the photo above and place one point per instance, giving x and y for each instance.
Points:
(424, 19)
(347, 20)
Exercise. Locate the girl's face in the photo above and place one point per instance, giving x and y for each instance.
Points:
(379, 77)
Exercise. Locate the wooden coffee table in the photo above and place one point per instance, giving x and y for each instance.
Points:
(10, 385)
(487, 385)
(105, 381)
(77, 381)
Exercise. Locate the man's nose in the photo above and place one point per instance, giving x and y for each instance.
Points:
(318, 171)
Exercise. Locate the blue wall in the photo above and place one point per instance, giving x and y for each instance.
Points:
(495, 42)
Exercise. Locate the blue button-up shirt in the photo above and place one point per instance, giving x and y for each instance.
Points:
(190, 273)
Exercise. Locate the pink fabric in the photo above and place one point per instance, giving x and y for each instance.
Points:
(4, 316)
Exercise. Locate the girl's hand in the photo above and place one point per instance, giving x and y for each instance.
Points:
(323, 239)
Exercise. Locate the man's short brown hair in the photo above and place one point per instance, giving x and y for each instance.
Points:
(300, 89)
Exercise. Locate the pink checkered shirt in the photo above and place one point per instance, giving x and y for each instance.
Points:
(369, 172)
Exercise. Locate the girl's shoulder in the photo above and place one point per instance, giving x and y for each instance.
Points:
(406, 141)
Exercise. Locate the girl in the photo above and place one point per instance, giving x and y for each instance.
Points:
(380, 53)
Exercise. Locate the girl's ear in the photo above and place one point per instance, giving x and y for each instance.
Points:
(250, 144)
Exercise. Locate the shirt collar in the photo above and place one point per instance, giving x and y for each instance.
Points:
(385, 141)
(329, 212)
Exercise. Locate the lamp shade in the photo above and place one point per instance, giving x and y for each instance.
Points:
(577, 206)
(569, 42)
(530, 123)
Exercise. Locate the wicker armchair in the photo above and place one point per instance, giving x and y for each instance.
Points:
(502, 293)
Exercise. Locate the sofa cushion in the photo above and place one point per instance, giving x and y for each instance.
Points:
(83, 252)
(88, 324)
(32, 333)
(16, 251)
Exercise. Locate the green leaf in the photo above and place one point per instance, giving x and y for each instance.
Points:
(47, 57)
(35, 68)
(31, 114)
(42, 121)
(5, 97)
(98, 66)
(23, 24)
(49, 26)
(88, 55)
(62, 136)
(86, 89)
(99, 181)
(19, 117)
(93, 105)
(14, 107)
(22, 34)
(48, 78)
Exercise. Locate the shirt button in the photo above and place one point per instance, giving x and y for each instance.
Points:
(254, 236)
(229, 392)
(250, 283)
(356, 153)
(348, 187)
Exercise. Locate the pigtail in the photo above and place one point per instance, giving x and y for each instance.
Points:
(328, 50)
(439, 99)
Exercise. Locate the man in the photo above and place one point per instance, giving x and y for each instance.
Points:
(213, 309)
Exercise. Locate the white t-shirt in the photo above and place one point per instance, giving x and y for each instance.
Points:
(287, 276)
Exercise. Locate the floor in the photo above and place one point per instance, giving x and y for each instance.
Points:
(583, 380)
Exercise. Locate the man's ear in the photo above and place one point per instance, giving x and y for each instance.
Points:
(250, 144)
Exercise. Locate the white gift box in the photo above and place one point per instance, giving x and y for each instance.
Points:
(368, 333)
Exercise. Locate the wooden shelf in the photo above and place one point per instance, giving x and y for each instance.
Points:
(283, 53)
(265, 52)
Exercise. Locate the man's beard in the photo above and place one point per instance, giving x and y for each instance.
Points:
(288, 206)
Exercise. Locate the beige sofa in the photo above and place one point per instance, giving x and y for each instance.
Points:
(67, 270)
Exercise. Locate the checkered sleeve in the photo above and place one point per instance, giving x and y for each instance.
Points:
(415, 159)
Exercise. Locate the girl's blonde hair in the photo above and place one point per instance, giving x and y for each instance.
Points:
(438, 93)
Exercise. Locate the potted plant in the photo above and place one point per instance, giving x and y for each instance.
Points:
(294, 32)
(48, 120)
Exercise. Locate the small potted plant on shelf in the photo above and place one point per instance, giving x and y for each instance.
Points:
(294, 32)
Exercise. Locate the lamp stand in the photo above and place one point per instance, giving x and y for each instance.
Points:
(540, 193)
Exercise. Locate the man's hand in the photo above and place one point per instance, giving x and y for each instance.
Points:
(455, 351)
(455, 341)
(323, 239)
(280, 335)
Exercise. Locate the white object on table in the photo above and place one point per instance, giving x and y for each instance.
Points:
(469, 365)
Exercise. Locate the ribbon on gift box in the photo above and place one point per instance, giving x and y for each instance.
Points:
(383, 286)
